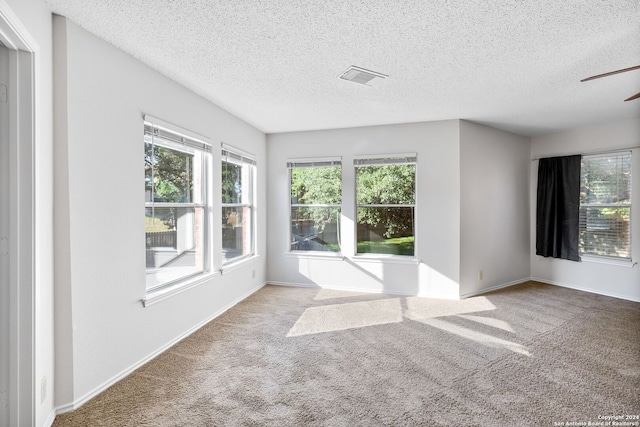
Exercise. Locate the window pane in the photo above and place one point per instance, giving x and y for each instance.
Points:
(386, 230)
(389, 184)
(606, 179)
(237, 221)
(605, 231)
(316, 185)
(236, 232)
(232, 180)
(315, 229)
(174, 240)
(169, 174)
(148, 171)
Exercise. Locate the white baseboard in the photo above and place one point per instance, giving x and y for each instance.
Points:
(79, 402)
(51, 418)
(465, 295)
(494, 288)
(294, 285)
(578, 288)
(362, 290)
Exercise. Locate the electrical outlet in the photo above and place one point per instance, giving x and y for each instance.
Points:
(253, 273)
(479, 274)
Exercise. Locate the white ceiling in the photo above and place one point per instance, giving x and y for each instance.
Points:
(515, 65)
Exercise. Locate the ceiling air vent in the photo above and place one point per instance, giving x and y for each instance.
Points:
(360, 75)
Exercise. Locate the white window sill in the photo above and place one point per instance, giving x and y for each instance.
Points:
(160, 294)
(390, 259)
(235, 264)
(607, 260)
(336, 256)
(371, 258)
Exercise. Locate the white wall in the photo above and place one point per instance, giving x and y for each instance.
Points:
(437, 211)
(607, 279)
(102, 329)
(35, 20)
(494, 205)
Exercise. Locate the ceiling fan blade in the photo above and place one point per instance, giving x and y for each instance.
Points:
(611, 73)
(631, 98)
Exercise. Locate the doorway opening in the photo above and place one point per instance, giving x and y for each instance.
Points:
(17, 222)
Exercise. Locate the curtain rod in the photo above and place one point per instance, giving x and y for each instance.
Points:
(589, 153)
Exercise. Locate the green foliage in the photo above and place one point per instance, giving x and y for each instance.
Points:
(376, 185)
(169, 179)
(231, 183)
(394, 246)
(605, 230)
(606, 179)
(390, 184)
(384, 185)
(316, 186)
(168, 174)
(321, 185)
(155, 225)
(616, 212)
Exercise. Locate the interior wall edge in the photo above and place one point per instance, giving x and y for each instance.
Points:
(495, 288)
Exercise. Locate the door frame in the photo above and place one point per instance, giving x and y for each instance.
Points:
(23, 54)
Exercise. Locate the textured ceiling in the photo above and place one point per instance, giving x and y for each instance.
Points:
(514, 65)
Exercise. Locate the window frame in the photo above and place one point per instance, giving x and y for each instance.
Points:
(172, 137)
(319, 162)
(241, 158)
(386, 160)
(588, 256)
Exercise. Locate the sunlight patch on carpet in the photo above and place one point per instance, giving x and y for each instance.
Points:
(338, 317)
(479, 337)
(419, 308)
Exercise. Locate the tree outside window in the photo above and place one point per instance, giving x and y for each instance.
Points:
(238, 175)
(316, 197)
(605, 205)
(175, 177)
(385, 198)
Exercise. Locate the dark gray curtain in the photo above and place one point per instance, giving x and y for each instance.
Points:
(558, 208)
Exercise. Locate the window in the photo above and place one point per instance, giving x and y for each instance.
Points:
(316, 198)
(385, 202)
(238, 183)
(175, 202)
(605, 205)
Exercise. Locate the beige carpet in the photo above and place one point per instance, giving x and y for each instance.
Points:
(531, 354)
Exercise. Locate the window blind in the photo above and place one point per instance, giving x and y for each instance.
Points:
(393, 159)
(226, 155)
(605, 231)
(605, 205)
(232, 153)
(314, 163)
(160, 129)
